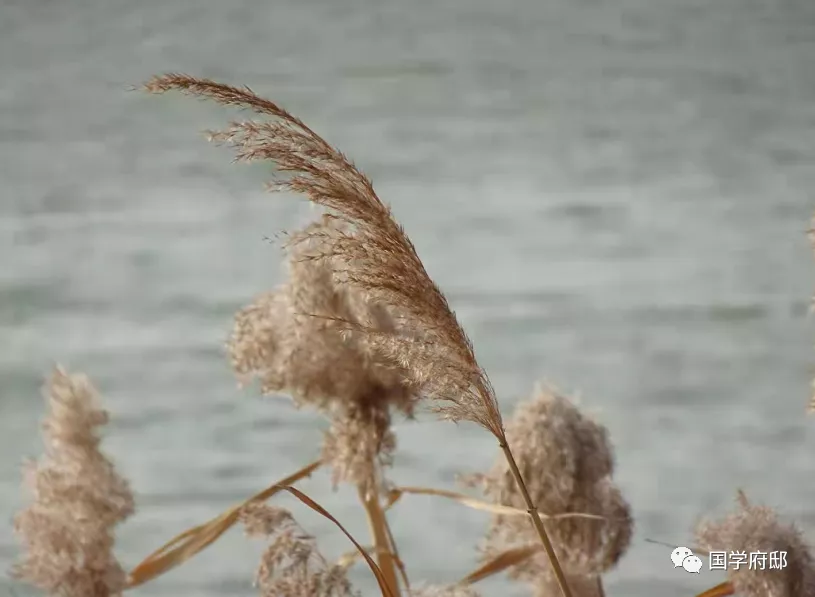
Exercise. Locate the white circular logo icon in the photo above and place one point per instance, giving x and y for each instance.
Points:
(679, 554)
(684, 558)
(692, 564)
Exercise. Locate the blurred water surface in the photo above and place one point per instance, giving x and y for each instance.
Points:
(613, 194)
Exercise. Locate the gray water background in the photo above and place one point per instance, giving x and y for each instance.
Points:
(614, 195)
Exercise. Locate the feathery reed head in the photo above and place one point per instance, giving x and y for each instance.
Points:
(78, 499)
(754, 529)
(567, 462)
(372, 253)
(297, 340)
(291, 565)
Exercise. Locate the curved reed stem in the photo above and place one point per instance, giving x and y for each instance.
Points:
(536, 520)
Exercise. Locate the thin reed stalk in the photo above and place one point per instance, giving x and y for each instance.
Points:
(536, 520)
(400, 564)
(382, 544)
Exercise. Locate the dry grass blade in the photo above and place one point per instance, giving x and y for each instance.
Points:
(720, 590)
(192, 541)
(376, 257)
(380, 578)
(501, 562)
(395, 494)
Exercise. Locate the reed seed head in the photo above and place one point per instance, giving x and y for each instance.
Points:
(372, 254)
(567, 462)
(303, 340)
(291, 565)
(78, 499)
(757, 529)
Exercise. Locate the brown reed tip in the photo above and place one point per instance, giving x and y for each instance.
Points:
(373, 254)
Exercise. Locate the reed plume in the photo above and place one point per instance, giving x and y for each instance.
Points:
(371, 252)
(291, 565)
(296, 341)
(78, 499)
(757, 529)
(567, 462)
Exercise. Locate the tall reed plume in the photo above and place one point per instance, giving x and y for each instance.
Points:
(370, 252)
(294, 340)
(78, 499)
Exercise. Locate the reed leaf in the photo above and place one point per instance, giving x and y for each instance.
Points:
(192, 541)
(395, 494)
(500, 562)
(377, 572)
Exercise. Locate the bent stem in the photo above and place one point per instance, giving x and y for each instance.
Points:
(379, 533)
(536, 520)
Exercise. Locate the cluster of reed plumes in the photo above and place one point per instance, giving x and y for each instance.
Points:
(361, 333)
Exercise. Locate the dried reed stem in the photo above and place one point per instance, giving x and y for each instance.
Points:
(536, 520)
(382, 545)
(395, 552)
